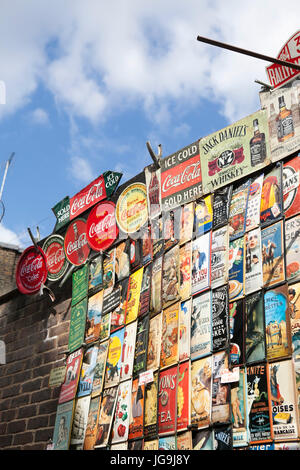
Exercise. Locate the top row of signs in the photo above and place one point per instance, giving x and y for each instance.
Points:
(219, 159)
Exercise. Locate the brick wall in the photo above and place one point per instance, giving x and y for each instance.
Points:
(35, 332)
(9, 255)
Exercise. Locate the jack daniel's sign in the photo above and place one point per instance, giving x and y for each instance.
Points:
(181, 179)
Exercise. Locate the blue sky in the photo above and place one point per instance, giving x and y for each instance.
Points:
(89, 82)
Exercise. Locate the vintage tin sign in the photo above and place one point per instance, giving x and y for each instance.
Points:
(73, 367)
(31, 272)
(253, 261)
(290, 187)
(220, 391)
(63, 425)
(101, 227)
(201, 392)
(136, 420)
(167, 443)
(236, 332)
(144, 305)
(183, 396)
(185, 330)
(114, 358)
(223, 438)
(258, 404)
(96, 191)
(122, 413)
(94, 313)
(122, 262)
(76, 246)
(201, 263)
(221, 206)
(153, 183)
(277, 323)
(167, 401)
(151, 408)
(86, 379)
(282, 107)
(283, 400)
(128, 351)
(255, 343)
(273, 260)
(141, 343)
(186, 223)
(62, 213)
(154, 342)
(181, 179)
(106, 414)
(292, 247)
(133, 298)
(271, 205)
(219, 257)
(220, 318)
(280, 74)
(95, 273)
(171, 277)
(238, 210)
(79, 284)
(77, 325)
(239, 410)
(234, 152)
(92, 424)
(132, 208)
(156, 286)
(57, 264)
(109, 273)
(201, 326)
(236, 269)
(203, 215)
(253, 205)
(169, 340)
(99, 372)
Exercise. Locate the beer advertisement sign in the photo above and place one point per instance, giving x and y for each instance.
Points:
(181, 179)
(234, 152)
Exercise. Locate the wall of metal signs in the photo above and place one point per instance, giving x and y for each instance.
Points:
(185, 320)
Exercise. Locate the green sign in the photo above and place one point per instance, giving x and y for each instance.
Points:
(79, 284)
(111, 180)
(77, 325)
(62, 213)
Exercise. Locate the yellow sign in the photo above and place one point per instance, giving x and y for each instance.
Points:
(133, 301)
(131, 208)
(114, 353)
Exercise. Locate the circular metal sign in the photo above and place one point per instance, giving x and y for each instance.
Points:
(31, 270)
(132, 209)
(101, 227)
(76, 246)
(57, 263)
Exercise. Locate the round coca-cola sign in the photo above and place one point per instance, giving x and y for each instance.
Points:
(101, 227)
(57, 263)
(75, 243)
(31, 270)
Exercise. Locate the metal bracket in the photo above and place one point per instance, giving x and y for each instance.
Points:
(156, 158)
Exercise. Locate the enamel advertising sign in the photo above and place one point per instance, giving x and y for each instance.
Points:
(181, 179)
(132, 208)
(76, 247)
(31, 272)
(280, 74)
(101, 228)
(57, 263)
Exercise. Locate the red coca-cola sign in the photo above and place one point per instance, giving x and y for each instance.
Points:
(76, 246)
(87, 197)
(101, 225)
(57, 263)
(31, 270)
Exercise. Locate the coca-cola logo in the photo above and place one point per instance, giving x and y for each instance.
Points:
(82, 202)
(188, 175)
(57, 263)
(132, 208)
(75, 242)
(31, 270)
(102, 230)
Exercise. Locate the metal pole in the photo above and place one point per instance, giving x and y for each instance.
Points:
(246, 52)
(5, 173)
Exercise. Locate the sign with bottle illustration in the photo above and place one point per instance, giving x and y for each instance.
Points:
(290, 186)
(280, 75)
(234, 152)
(76, 246)
(282, 107)
(153, 183)
(181, 179)
(258, 403)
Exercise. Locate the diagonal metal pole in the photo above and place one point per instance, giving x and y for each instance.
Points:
(5, 173)
(247, 52)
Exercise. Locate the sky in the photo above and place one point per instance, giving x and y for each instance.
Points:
(88, 83)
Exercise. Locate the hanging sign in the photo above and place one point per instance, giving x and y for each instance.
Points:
(181, 179)
(131, 208)
(57, 263)
(99, 189)
(61, 211)
(75, 243)
(31, 270)
(281, 74)
(101, 228)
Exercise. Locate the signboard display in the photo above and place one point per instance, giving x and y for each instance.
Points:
(132, 208)
(181, 179)
(101, 228)
(76, 246)
(281, 74)
(31, 272)
(234, 152)
(57, 264)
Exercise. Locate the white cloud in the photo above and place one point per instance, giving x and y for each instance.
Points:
(39, 116)
(109, 55)
(81, 170)
(9, 237)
